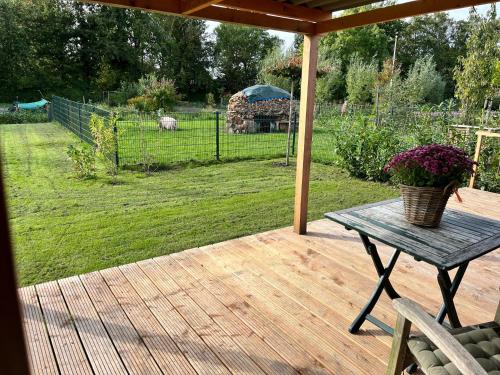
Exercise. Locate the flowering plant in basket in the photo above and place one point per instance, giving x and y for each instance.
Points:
(431, 165)
(428, 175)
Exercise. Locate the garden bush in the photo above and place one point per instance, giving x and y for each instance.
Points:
(23, 117)
(83, 158)
(105, 142)
(365, 148)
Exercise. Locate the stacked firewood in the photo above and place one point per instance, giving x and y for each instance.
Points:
(241, 114)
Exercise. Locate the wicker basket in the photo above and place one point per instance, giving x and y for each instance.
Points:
(424, 206)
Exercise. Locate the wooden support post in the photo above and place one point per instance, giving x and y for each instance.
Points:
(306, 117)
(13, 357)
(476, 158)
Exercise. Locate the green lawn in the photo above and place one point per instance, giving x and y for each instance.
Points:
(63, 226)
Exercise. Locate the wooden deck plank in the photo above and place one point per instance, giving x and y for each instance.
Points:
(128, 342)
(363, 360)
(298, 327)
(41, 356)
(161, 346)
(312, 298)
(99, 348)
(262, 354)
(275, 337)
(68, 349)
(201, 357)
(237, 361)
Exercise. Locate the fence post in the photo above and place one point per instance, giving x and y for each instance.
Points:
(115, 132)
(217, 149)
(294, 131)
(80, 118)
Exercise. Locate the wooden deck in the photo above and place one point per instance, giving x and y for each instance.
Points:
(271, 303)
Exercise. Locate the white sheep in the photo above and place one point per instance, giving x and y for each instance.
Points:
(167, 123)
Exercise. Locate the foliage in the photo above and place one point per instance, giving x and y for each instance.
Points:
(47, 44)
(424, 84)
(364, 148)
(23, 117)
(475, 74)
(330, 85)
(436, 35)
(389, 91)
(103, 135)
(210, 100)
(431, 165)
(266, 76)
(237, 54)
(368, 43)
(360, 80)
(155, 94)
(282, 68)
(83, 158)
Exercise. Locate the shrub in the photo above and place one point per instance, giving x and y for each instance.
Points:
(105, 141)
(365, 148)
(83, 158)
(210, 99)
(155, 94)
(360, 80)
(424, 83)
(23, 117)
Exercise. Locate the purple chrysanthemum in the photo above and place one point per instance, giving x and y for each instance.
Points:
(431, 164)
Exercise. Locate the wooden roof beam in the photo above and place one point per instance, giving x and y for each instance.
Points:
(193, 6)
(394, 12)
(279, 9)
(215, 13)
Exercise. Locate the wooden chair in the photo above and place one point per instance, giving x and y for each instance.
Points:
(473, 350)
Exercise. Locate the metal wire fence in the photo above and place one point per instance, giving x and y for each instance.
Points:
(75, 116)
(144, 140)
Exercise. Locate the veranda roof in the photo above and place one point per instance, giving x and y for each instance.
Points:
(299, 16)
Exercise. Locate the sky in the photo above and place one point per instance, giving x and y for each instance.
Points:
(287, 38)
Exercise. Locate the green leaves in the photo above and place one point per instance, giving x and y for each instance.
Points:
(83, 158)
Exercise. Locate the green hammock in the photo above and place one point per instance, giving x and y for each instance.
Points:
(34, 105)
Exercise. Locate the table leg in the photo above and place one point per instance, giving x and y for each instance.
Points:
(371, 249)
(448, 290)
(383, 281)
(452, 290)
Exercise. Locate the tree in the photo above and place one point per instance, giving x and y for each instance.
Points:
(434, 35)
(424, 83)
(368, 43)
(475, 74)
(237, 54)
(360, 80)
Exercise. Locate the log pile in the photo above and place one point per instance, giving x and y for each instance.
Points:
(242, 115)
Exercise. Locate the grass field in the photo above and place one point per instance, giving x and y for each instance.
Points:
(63, 226)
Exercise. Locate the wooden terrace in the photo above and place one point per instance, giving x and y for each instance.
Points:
(270, 303)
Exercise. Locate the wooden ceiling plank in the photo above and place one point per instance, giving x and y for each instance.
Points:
(347, 4)
(279, 9)
(193, 6)
(255, 19)
(215, 13)
(394, 12)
